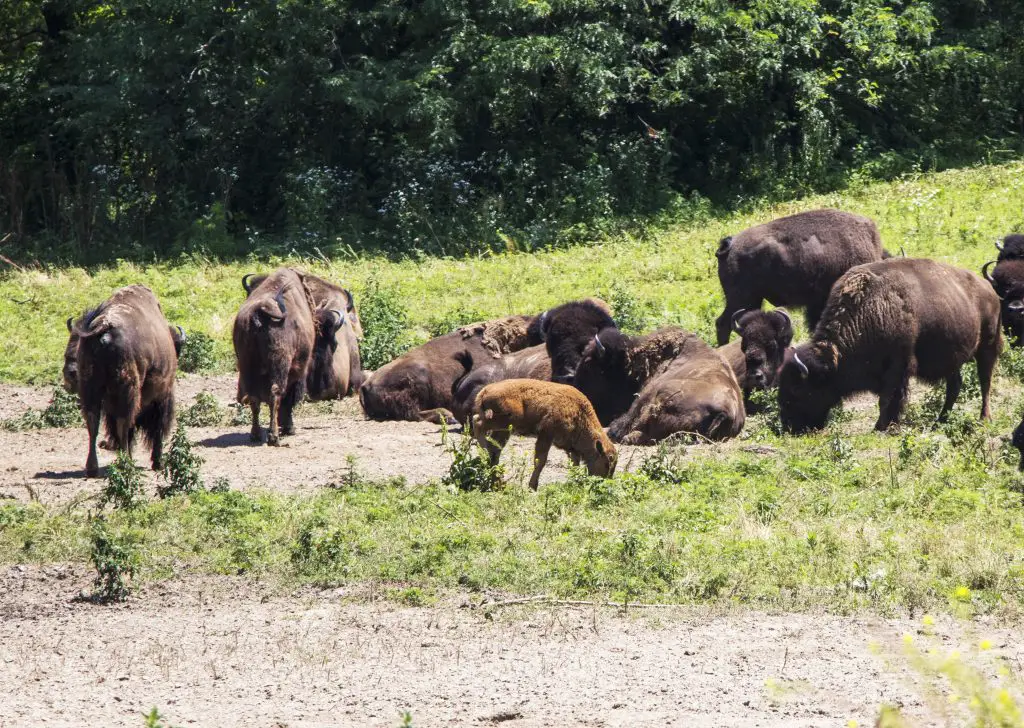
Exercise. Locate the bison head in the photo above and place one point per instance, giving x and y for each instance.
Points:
(806, 392)
(566, 331)
(603, 377)
(323, 379)
(1012, 248)
(765, 337)
(604, 461)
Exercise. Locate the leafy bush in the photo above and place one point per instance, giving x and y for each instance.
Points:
(204, 412)
(116, 560)
(181, 466)
(197, 353)
(62, 411)
(470, 469)
(124, 487)
(385, 323)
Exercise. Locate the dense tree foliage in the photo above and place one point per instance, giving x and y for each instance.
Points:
(443, 125)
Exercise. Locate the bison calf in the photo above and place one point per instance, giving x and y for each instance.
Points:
(885, 323)
(792, 261)
(121, 359)
(556, 413)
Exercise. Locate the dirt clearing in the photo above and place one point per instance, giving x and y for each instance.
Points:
(225, 651)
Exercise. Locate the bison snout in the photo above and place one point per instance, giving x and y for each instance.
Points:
(760, 378)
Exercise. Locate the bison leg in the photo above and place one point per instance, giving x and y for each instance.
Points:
(953, 384)
(254, 408)
(287, 409)
(812, 313)
(893, 397)
(540, 459)
(274, 433)
(92, 422)
(986, 359)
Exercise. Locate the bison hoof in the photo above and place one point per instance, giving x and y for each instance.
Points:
(255, 436)
(288, 430)
(273, 440)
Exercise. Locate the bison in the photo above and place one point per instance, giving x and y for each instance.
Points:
(556, 413)
(792, 261)
(650, 387)
(756, 356)
(566, 330)
(530, 363)
(274, 335)
(418, 385)
(121, 360)
(885, 323)
(1007, 279)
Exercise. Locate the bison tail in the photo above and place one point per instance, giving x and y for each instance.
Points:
(155, 421)
(724, 246)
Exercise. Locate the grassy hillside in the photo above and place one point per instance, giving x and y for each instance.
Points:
(668, 276)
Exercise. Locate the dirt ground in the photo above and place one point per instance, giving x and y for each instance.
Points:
(230, 652)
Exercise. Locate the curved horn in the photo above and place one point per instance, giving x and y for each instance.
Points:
(736, 321)
(245, 282)
(341, 318)
(70, 322)
(181, 333)
(279, 298)
(803, 367)
(351, 300)
(903, 253)
(785, 314)
(600, 346)
(984, 272)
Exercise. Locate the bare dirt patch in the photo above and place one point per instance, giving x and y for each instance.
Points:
(226, 651)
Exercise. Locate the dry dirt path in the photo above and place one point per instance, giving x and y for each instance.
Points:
(228, 652)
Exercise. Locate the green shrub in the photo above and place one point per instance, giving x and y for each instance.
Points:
(62, 411)
(115, 558)
(385, 322)
(470, 469)
(204, 412)
(197, 353)
(124, 487)
(181, 466)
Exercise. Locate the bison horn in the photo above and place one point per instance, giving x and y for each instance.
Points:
(70, 322)
(600, 346)
(785, 314)
(181, 333)
(279, 298)
(736, 321)
(984, 272)
(903, 253)
(1015, 305)
(803, 367)
(245, 282)
(543, 320)
(351, 300)
(341, 318)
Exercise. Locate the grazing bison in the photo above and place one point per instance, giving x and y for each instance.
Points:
(418, 385)
(121, 359)
(756, 356)
(336, 369)
(792, 261)
(1007, 279)
(274, 335)
(530, 363)
(556, 413)
(566, 330)
(650, 387)
(885, 323)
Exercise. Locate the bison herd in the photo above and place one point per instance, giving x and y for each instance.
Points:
(569, 375)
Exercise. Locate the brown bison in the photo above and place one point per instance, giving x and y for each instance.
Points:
(650, 387)
(530, 363)
(556, 413)
(756, 356)
(121, 359)
(336, 369)
(274, 335)
(418, 385)
(1007, 279)
(885, 323)
(566, 330)
(792, 261)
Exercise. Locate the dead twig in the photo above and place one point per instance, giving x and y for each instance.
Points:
(10, 262)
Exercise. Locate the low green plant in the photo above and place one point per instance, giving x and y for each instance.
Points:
(181, 469)
(385, 322)
(124, 487)
(470, 469)
(62, 411)
(198, 353)
(116, 560)
(204, 412)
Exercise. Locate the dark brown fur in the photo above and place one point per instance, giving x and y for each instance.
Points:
(121, 361)
(885, 323)
(530, 363)
(274, 335)
(650, 387)
(756, 356)
(1007, 280)
(792, 261)
(419, 383)
(566, 330)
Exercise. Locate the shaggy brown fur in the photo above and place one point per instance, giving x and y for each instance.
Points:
(1007, 280)
(531, 363)
(418, 385)
(274, 335)
(566, 330)
(121, 360)
(885, 323)
(792, 261)
(653, 386)
(556, 413)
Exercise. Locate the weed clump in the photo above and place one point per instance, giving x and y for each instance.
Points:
(116, 560)
(204, 412)
(385, 321)
(124, 484)
(470, 469)
(197, 353)
(62, 411)
(181, 467)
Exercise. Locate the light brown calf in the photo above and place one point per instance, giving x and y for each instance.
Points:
(557, 414)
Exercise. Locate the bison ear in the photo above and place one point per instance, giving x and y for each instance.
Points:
(599, 447)
(70, 323)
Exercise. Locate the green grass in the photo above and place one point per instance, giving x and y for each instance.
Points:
(669, 273)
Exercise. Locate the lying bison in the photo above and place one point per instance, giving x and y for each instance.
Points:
(418, 385)
(885, 323)
(792, 261)
(335, 370)
(566, 330)
(756, 356)
(650, 387)
(530, 363)
(274, 334)
(121, 359)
